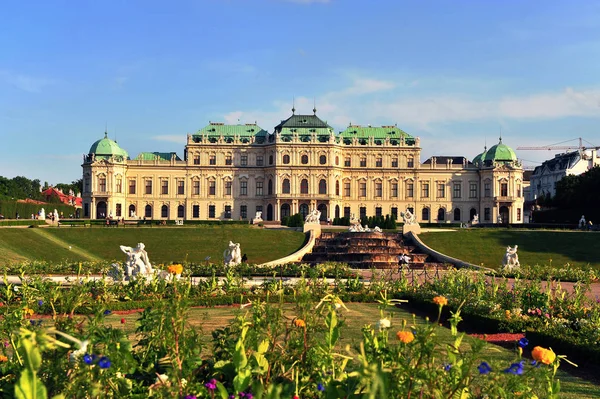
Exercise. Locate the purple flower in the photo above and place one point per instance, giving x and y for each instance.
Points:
(523, 342)
(104, 362)
(447, 367)
(88, 359)
(190, 396)
(40, 302)
(320, 387)
(211, 385)
(107, 312)
(484, 368)
(515, 368)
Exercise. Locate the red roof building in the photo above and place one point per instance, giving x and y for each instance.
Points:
(68, 199)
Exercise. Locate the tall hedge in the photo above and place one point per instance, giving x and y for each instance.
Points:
(9, 209)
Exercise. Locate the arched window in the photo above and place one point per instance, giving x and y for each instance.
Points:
(304, 186)
(337, 187)
(164, 211)
(337, 211)
(270, 187)
(304, 210)
(457, 214)
(322, 159)
(285, 210)
(441, 214)
(286, 159)
(270, 159)
(322, 186)
(131, 213)
(425, 214)
(180, 211)
(148, 211)
(285, 187)
(304, 159)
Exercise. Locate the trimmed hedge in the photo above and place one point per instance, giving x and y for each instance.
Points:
(10, 208)
(21, 222)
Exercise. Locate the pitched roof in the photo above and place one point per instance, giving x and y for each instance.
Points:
(377, 132)
(559, 162)
(217, 129)
(302, 121)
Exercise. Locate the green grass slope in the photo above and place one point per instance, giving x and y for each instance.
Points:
(164, 244)
(536, 247)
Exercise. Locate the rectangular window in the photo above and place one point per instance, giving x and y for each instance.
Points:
(347, 162)
(394, 190)
(227, 211)
(394, 162)
(244, 160)
(411, 162)
(212, 160)
(243, 188)
(118, 210)
(518, 214)
(378, 189)
(518, 190)
(394, 213)
(227, 188)
(148, 186)
(87, 185)
(378, 211)
(259, 188)
(244, 211)
(196, 211)
(487, 188)
(196, 184)
(473, 190)
(486, 214)
(180, 187)
(441, 190)
(228, 160)
(164, 187)
(131, 186)
(410, 190)
(362, 192)
(362, 213)
(379, 162)
(211, 211)
(212, 187)
(347, 212)
(119, 185)
(424, 190)
(102, 184)
(504, 189)
(346, 189)
(363, 162)
(259, 160)
(456, 190)
(196, 159)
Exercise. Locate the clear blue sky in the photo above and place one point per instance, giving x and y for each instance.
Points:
(454, 73)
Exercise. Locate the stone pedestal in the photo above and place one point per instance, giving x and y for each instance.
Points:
(415, 228)
(316, 227)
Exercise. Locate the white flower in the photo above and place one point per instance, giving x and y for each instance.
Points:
(183, 382)
(384, 323)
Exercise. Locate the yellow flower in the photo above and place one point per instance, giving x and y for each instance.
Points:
(440, 300)
(507, 313)
(546, 356)
(299, 323)
(405, 336)
(28, 312)
(175, 269)
(3, 359)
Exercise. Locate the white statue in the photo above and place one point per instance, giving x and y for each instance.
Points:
(353, 219)
(232, 256)
(366, 229)
(258, 216)
(511, 259)
(313, 217)
(582, 222)
(137, 261)
(475, 219)
(42, 214)
(499, 218)
(377, 229)
(56, 216)
(408, 217)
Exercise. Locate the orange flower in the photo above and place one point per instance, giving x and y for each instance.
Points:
(546, 356)
(28, 312)
(3, 359)
(175, 269)
(405, 336)
(299, 323)
(440, 300)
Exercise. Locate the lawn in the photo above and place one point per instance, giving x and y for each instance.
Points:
(164, 244)
(540, 247)
(360, 314)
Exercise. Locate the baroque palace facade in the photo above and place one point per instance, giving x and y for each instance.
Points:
(233, 171)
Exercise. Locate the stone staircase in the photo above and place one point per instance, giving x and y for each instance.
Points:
(366, 250)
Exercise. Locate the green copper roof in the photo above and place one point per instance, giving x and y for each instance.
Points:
(216, 129)
(500, 153)
(302, 122)
(377, 132)
(480, 157)
(162, 156)
(106, 148)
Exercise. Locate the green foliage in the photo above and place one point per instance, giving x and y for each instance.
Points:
(293, 221)
(19, 188)
(10, 208)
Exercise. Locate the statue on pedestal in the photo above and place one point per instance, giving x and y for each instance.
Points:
(232, 256)
(408, 217)
(257, 218)
(313, 217)
(137, 261)
(511, 259)
(582, 222)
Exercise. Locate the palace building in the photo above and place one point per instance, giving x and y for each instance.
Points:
(233, 171)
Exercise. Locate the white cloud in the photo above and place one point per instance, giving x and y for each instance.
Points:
(25, 82)
(172, 138)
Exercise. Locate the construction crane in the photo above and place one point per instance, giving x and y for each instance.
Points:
(560, 147)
